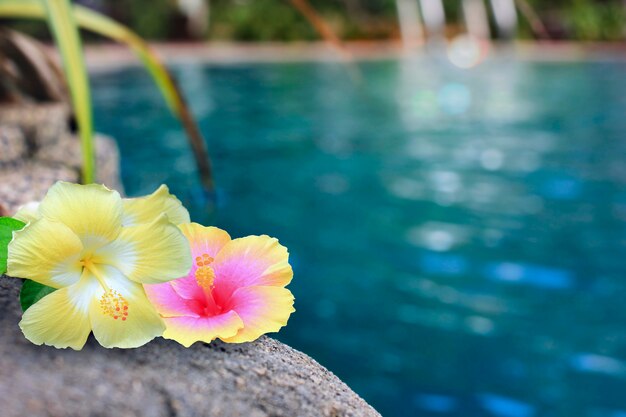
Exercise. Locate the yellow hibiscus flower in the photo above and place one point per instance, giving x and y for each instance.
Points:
(97, 250)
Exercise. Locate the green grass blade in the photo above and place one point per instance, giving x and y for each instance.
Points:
(102, 25)
(105, 26)
(65, 32)
(22, 9)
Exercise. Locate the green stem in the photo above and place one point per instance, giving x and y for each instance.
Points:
(65, 31)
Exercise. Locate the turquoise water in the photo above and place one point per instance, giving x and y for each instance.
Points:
(458, 236)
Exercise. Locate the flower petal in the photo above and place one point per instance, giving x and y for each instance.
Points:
(149, 253)
(262, 309)
(251, 261)
(188, 330)
(141, 325)
(169, 303)
(47, 252)
(29, 212)
(92, 211)
(61, 318)
(147, 209)
(204, 240)
(187, 287)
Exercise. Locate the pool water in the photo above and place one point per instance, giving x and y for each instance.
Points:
(458, 236)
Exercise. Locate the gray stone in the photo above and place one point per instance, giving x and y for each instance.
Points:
(25, 181)
(37, 149)
(12, 144)
(42, 123)
(260, 379)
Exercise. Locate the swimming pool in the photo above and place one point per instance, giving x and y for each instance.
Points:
(458, 236)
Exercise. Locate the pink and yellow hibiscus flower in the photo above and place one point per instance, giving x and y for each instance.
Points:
(235, 290)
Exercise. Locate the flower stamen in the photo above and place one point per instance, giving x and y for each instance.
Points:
(89, 266)
(204, 260)
(114, 305)
(205, 276)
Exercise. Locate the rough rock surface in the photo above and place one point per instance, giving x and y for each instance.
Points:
(260, 379)
(37, 149)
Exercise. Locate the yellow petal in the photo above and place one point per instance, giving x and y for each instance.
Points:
(262, 309)
(147, 209)
(60, 319)
(92, 211)
(47, 252)
(28, 212)
(204, 240)
(138, 326)
(188, 330)
(149, 253)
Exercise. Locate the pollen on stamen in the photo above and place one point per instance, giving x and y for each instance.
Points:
(205, 276)
(204, 260)
(114, 305)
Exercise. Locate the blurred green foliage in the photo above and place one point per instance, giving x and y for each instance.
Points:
(151, 18)
(585, 20)
(277, 20)
(261, 20)
(596, 21)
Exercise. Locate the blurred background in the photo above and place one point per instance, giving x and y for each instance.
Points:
(279, 20)
(455, 210)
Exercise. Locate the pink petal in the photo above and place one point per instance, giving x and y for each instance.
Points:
(204, 240)
(169, 303)
(262, 309)
(187, 287)
(250, 261)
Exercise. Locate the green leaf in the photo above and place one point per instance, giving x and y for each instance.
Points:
(7, 226)
(65, 31)
(32, 292)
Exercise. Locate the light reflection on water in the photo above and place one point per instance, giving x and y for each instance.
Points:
(457, 235)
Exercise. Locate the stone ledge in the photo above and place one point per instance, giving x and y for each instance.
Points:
(260, 379)
(37, 149)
